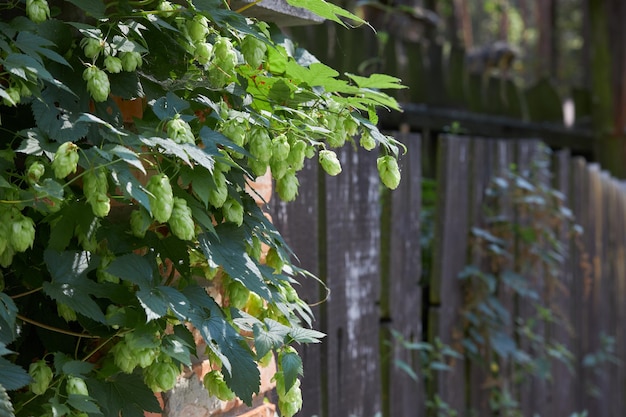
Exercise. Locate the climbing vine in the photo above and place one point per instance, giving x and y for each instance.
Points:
(123, 231)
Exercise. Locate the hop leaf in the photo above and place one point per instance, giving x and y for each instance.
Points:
(330, 163)
(66, 312)
(161, 197)
(181, 221)
(388, 170)
(65, 160)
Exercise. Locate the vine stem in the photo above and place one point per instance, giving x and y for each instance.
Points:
(55, 329)
(24, 294)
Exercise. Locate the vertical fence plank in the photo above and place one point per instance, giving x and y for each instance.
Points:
(297, 222)
(449, 259)
(352, 242)
(563, 384)
(400, 291)
(620, 294)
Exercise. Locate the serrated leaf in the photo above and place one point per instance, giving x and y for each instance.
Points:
(302, 335)
(227, 248)
(56, 115)
(291, 365)
(133, 268)
(199, 156)
(88, 118)
(159, 300)
(12, 376)
(168, 147)
(377, 81)
(8, 314)
(70, 284)
(34, 45)
(49, 188)
(83, 403)
(175, 348)
(72, 367)
(130, 157)
(169, 106)
(6, 408)
(77, 214)
(95, 8)
(123, 393)
(271, 338)
(327, 10)
(129, 184)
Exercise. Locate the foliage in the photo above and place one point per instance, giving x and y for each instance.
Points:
(112, 227)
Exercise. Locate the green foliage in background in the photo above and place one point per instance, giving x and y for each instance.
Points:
(111, 231)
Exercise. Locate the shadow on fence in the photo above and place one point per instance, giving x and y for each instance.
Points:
(383, 315)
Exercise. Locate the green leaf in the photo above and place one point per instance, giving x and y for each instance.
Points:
(88, 118)
(12, 376)
(84, 403)
(168, 147)
(123, 393)
(199, 156)
(34, 45)
(129, 184)
(291, 365)
(8, 314)
(95, 8)
(127, 155)
(71, 366)
(6, 408)
(377, 81)
(133, 268)
(177, 349)
(72, 216)
(272, 338)
(70, 284)
(49, 188)
(326, 10)
(227, 248)
(159, 300)
(302, 335)
(169, 106)
(56, 114)
(28, 69)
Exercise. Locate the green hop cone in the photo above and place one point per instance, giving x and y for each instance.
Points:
(124, 357)
(34, 172)
(260, 144)
(329, 162)
(95, 187)
(181, 221)
(253, 50)
(131, 61)
(388, 170)
(161, 197)
(161, 375)
(198, 28)
(11, 96)
(92, 47)
(66, 312)
(280, 148)
(255, 305)
(350, 125)
(37, 10)
(215, 384)
(166, 8)
(113, 64)
(140, 221)
(41, 374)
(222, 67)
(22, 232)
(367, 142)
(65, 160)
(233, 211)
(179, 131)
(273, 259)
(219, 193)
(279, 168)
(146, 357)
(258, 168)
(235, 130)
(237, 294)
(76, 386)
(203, 52)
(291, 402)
(98, 83)
(287, 186)
(297, 153)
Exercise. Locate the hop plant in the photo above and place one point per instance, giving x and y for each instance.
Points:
(215, 384)
(260, 144)
(367, 142)
(388, 170)
(329, 162)
(181, 221)
(233, 211)
(22, 232)
(124, 357)
(289, 402)
(66, 312)
(140, 221)
(280, 148)
(179, 131)
(219, 193)
(161, 197)
(41, 374)
(37, 10)
(203, 52)
(222, 66)
(95, 187)
(237, 294)
(113, 64)
(11, 96)
(65, 160)
(131, 61)
(98, 83)
(253, 50)
(161, 375)
(76, 386)
(287, 186)
(92, 47)
(35, 172)
(297, 153)
(198, 28)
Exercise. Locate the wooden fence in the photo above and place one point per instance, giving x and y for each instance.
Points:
(364, 245)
